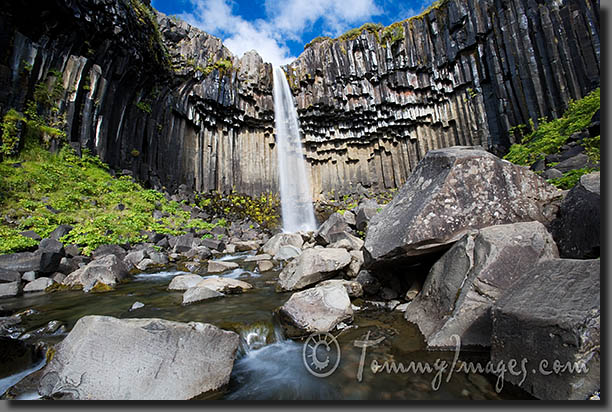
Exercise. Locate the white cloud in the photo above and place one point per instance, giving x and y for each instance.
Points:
(287, 20)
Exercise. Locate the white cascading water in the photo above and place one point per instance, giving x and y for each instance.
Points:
(296, 197)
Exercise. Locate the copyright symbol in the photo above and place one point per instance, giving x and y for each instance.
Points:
(321, 354)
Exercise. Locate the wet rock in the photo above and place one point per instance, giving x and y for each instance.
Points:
(333, 225)
(478, 270)
(199, 293)
(272, 246)
(137, 305)
(105, 250)
(451, 191)
(184, 282)
(264, 265)
(287, 252)
(318, 309)
(312, 266)
(39, 285)
(369, 283)
(107, 270)
(552, 314)
(9, 275)
(257, 258)
(218, 266)
(577, 230)
(10, 289)
(224, 285)
(14, 354)
(174, 360)
(388, 293)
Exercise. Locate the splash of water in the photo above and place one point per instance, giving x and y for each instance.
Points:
(296, 197)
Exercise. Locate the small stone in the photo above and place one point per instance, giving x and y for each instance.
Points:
(137, 305)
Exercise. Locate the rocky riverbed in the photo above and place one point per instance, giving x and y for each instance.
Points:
(464, 252)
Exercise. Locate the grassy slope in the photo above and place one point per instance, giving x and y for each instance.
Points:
(40, 190)
(550, 136)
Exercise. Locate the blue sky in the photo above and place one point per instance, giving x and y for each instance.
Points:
(278, 29)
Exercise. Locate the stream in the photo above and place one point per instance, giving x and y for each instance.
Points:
(268, 366)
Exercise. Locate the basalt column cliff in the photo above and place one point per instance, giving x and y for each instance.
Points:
(170, 103)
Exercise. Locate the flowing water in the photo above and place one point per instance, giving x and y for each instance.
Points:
(296, 196)
(268, 366)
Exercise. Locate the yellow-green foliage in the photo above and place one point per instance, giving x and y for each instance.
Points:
(551, 135)
(392, 34)
(85, 196)
(223, 65)
(147, 23)
(373, 28)
(263, 209)
(10, 139)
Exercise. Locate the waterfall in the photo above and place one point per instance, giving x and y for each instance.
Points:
(296, 198)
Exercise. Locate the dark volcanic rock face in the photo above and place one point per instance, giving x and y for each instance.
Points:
(464, 73)
(171, 104)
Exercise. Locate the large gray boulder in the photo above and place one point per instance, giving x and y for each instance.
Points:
(312, 266)
(9, 275)
(577, 230)
(461, 287)
(105, 272)
(141, 359)
(318, 309)
(451, 191)
(44, 261)
(272, 246)
(552, 314)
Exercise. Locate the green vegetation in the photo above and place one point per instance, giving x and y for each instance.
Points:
(264, 209)
(372, 28)
(316, 40)
(570, 178)
(41, 119)
(551, 135)
(144, 106)
(147, 22)
(223, 65)
(40, 191)
(392, 34)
